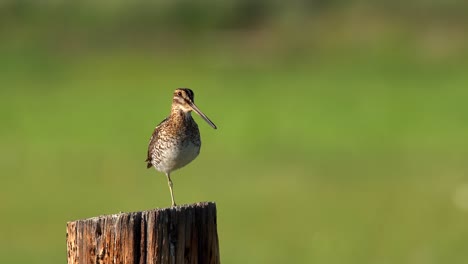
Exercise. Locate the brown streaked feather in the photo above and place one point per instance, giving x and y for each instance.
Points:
(152, 141)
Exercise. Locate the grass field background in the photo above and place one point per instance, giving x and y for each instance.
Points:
(338, 150)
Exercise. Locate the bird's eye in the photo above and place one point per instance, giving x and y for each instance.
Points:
(179, 94)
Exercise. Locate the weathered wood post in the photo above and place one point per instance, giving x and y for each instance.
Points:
(182, 234)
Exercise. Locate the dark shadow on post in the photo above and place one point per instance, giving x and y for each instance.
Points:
(182, 234)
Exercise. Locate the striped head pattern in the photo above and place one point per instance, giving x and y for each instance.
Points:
(184, 99)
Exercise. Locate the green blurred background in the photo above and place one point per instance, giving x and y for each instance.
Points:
(343, 125)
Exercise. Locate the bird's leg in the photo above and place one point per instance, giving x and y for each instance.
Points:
(169, 182)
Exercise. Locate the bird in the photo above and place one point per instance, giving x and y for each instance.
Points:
(175, 142)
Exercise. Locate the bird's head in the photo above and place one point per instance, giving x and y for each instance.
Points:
(184, 100)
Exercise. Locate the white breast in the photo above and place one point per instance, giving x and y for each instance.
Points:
(177, 156)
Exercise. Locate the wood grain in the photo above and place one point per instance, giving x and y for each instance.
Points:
(182, 234)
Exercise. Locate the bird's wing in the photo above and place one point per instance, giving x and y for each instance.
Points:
(152, 141)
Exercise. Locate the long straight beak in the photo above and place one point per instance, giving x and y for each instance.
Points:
(199, 112)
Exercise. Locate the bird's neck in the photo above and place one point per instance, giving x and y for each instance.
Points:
(181, 116)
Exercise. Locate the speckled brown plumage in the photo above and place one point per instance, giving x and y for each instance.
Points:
(179, 130)
(175, 142)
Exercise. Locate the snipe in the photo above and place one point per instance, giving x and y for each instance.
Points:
(176, 140)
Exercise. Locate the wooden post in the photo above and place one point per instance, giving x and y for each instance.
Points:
(182, 234)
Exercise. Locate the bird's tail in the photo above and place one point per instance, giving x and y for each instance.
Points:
(149, 165)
